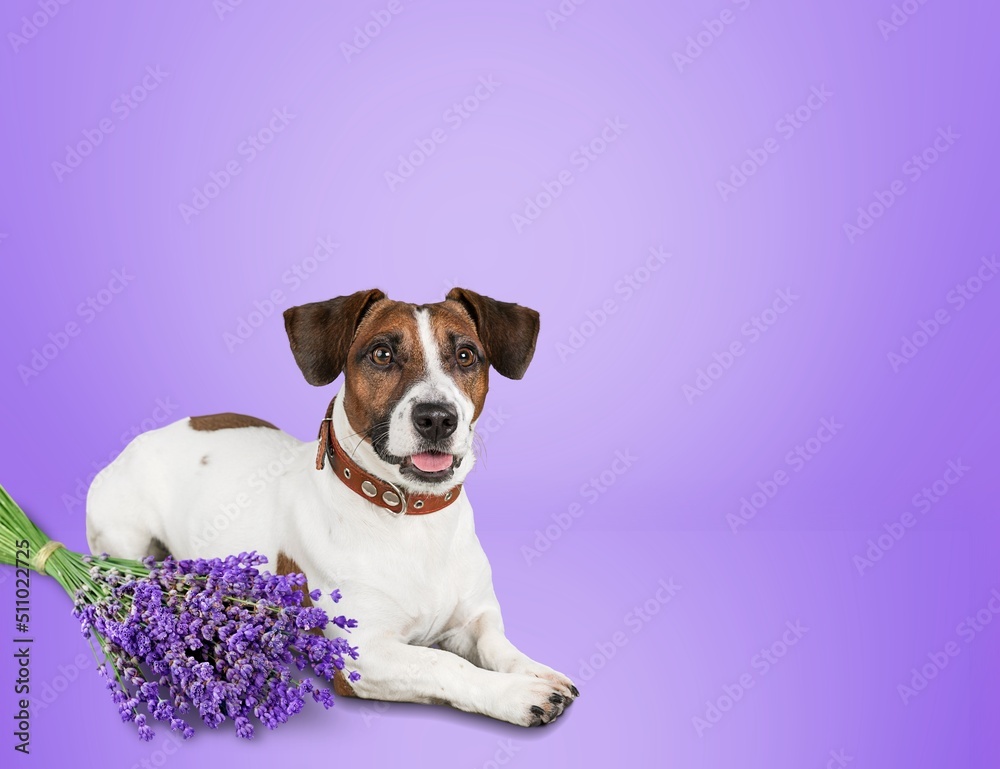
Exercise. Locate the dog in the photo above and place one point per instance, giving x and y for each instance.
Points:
(375, 507)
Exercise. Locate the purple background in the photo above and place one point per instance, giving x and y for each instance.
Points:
(162, 339)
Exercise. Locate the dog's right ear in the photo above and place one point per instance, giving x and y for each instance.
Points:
(321, 333)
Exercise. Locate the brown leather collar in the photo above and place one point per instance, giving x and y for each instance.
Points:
(375, 490)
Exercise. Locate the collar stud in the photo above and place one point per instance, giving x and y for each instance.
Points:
(376, 490)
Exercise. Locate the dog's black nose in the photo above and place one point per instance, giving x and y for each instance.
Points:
(435, 421)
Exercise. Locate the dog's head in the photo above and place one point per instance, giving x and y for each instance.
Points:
(415, 376)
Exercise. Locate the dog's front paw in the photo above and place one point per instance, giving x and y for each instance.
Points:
(530, 700)
(562, 683)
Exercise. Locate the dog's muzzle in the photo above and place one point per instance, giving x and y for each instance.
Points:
(376, 490)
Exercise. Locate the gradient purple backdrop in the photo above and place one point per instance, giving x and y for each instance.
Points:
(159, 350)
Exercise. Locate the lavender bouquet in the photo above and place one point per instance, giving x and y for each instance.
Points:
(218, 638)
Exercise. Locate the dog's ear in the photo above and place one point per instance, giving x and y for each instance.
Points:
(321, 333)
(508, 331)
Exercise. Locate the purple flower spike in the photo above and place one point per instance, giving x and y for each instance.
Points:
(215, 637)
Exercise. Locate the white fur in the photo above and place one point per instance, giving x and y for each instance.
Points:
(410, 581)
(434, 387)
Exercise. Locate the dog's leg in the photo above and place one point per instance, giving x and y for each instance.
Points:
(483, 642)
(394, 671)
(122, 539)
(118, 513)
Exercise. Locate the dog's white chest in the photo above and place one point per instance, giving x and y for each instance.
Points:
(415, 574)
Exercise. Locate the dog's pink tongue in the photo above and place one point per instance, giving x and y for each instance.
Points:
(429, 462)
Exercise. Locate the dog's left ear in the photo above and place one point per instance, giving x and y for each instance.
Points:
(321, 333)
(508, 331)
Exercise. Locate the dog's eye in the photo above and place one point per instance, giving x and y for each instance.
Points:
(382, 355)
(466, 356)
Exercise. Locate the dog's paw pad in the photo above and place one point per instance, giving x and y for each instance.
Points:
(534, 701)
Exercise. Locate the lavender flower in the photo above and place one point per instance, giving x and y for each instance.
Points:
(217, 639)
(218, 636)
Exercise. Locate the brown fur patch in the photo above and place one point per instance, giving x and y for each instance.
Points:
(286, 565)
(452, 327)
(370, 390)
(226, 421)
(341, 686)
(320, 333)
(371, 394)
